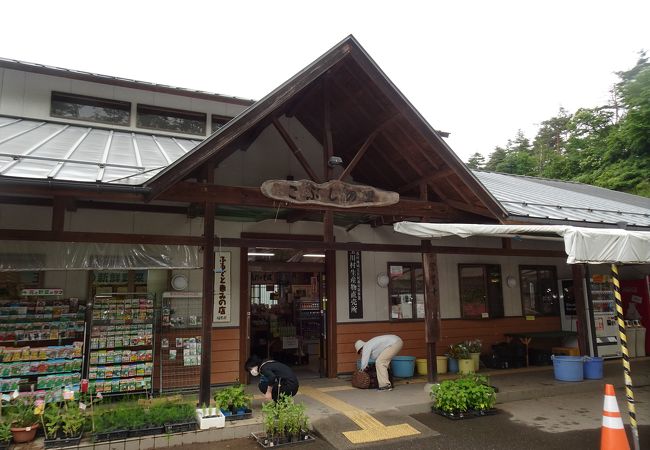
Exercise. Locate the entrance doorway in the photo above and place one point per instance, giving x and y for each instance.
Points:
(286, 308)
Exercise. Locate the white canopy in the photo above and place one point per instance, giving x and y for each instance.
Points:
(582, 245)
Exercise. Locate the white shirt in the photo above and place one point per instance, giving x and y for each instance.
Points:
(373, 348)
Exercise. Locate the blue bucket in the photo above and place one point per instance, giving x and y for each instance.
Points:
(593, 368)
(403, 366)
(568, 368)
(452, 365)
(370, 361)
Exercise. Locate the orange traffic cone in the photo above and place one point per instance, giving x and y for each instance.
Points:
(612, 434)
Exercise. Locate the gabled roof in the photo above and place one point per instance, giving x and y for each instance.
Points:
(45, 150)
(542, 200)
(405, 151)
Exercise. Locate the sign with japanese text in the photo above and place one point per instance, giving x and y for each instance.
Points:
(354, 285)
(222, 287)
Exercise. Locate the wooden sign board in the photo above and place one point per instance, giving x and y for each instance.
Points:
(332, 193)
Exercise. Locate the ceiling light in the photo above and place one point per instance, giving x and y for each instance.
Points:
(260, 254)
(313, 255)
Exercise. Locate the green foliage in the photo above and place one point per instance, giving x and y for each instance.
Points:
(21, 412)
(476, 161)
(607, 146)
(52, 420)
(470, 392)
(138, 417)
(5, 432)
(458, 351)
(72, 419)
(284, 417)
(474, 345)
(233, 397)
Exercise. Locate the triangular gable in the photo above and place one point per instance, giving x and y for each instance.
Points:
(439, 167)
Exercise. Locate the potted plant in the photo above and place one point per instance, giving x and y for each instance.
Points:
(23, 420)
(110, 426)
(234, 402)
(180, 417)
(51, 420)
(72, 423)
(468, 396)
(284, 422)
(456, 353)
(475, 346)
(5, 435)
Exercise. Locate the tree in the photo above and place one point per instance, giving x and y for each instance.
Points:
(476, 161)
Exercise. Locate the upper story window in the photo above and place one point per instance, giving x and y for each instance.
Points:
(539, 291)
(167, 119)
(219, 121)
(81, 107)
(481, 291)
(406, 291)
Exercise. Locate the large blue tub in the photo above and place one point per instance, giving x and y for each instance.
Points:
(403, 366)
(593, 368)
(568, 368)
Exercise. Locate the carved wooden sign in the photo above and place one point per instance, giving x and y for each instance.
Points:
(332, 193)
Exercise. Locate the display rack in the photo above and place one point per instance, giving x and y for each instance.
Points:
(608, 342)
(41, 341)
(121, 353)
(180, 341)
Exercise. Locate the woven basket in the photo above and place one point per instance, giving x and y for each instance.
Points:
(361, 379)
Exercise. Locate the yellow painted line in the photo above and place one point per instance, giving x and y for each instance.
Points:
(371, 430)
(336, 388)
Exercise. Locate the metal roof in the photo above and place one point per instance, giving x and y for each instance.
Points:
(44, 150)
(554, 200)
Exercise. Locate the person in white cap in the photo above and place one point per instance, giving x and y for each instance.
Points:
(382, 349)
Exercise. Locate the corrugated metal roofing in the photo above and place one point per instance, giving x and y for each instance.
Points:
(565, 201)
(48, 150)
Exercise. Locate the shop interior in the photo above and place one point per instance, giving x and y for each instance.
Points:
(287, 318)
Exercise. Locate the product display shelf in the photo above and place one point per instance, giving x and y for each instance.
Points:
(41, 341)
(122, 343)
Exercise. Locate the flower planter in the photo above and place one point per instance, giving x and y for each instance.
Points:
(471, 414)
(115, 435)
(272, 442)
(240, 414)
(63, 441)
(213, 419)
(24, 434)
(476, 359)
(181, 427)
(149, 431)
(465, 366)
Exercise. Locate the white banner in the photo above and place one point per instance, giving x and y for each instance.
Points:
(222, 287)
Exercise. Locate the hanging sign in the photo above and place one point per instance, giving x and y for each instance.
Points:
(354, 285)
(332, 193)
(222, 287)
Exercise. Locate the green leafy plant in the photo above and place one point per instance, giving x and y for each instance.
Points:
(5, 432)
(22, 412)
(52, 420)
(474, 345)
(233, 398)
(73, 420)
(458, 351)
(467, 393)
(284, 418)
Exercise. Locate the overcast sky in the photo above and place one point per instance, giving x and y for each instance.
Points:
(477, 69)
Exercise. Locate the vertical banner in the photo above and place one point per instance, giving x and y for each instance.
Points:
(354, 285)
(222, 287)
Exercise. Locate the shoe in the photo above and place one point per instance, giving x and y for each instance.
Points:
(388, 387)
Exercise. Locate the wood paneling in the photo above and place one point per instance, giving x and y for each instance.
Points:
(225, 355)
(453, 331)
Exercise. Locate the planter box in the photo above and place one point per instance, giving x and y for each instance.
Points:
(5, 445)
(471, 414)
(150, 431)
(63, 442)
(265, 442)
(111, 436)
(215, 420)
(180, 427)
(239, 415)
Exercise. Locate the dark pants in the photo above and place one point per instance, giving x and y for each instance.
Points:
(287, 389)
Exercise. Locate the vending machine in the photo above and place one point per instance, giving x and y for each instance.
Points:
(608, 342)
(636, 307)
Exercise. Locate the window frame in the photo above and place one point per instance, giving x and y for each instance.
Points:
(488, 302)
(538, 268)
(223, 120)
(413, 266)
(161, 110)
(98, 101)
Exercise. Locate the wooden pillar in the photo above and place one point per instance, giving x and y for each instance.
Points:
(244, 314)
(581, 306)
(58, 217)
(330, 280)
(208, 303)
(432, 321)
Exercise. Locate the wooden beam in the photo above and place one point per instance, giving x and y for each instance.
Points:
(58, 215)
(99, 192)
(295, 150)
(470, 208)
(244, 314)
(424, 192)
(246, 196)
(272, 266)
(358, 155)
(297, 215)
(432, 317)
(328, 145)
(432, 176)
(578, 271)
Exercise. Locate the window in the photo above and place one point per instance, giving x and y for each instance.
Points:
(539, 296)
(262, 294)
(71, 106)
(219, 121)
(171, 120)
(406, 291)
(481, 293)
